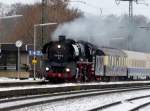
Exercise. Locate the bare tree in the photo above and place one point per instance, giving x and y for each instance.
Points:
(56, 11)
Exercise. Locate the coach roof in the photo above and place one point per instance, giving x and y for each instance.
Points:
(112, 51)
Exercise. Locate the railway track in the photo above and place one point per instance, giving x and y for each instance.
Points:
(16, 103)
(132, 102)
(15, 84)
(52, 88)
(141, 106)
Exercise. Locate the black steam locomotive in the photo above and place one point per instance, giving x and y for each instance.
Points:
(65, 58)
(70, 60)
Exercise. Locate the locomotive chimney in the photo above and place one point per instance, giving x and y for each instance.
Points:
(62, 38)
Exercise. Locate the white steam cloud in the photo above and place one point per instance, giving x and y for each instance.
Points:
(108, 31)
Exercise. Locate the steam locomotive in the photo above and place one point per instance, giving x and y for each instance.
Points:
(70, 60)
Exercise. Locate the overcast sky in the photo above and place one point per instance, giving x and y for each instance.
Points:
(94, 6)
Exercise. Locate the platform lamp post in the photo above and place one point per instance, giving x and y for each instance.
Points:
(18, 44)
(35, 35)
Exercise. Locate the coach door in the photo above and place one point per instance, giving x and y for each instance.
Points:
(99, 66)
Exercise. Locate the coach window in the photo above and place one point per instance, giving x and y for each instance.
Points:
(102, 60)
(120, 61)
(111, 60)
(123, 61)
(130, 62)
(133, 62)
(116, 61)
(143, 63)
(136, 63)
(126, 61)
(140, 63)
(106, 60)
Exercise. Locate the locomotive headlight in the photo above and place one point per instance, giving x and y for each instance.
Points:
(67, 70)
(58, 46)
(47, 68)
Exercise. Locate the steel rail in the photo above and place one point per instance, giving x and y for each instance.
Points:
(63, 96)
(140, 106)
(119, 102)
(50, 89)
(60, 93)
(63, 93)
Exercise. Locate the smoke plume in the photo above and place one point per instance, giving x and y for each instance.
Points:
(113, 31)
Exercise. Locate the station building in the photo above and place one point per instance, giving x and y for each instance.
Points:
(9, 60)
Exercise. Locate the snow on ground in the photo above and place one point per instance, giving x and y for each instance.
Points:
(126, 106)
(8, 80)
(147, 108)
(84, 104)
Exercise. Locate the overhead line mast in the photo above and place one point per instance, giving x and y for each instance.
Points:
(130, 7)
(131, 26)
(43, 20)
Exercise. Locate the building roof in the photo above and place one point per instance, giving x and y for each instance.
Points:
(12, 47)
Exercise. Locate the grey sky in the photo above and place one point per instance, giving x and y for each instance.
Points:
(93, 6)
